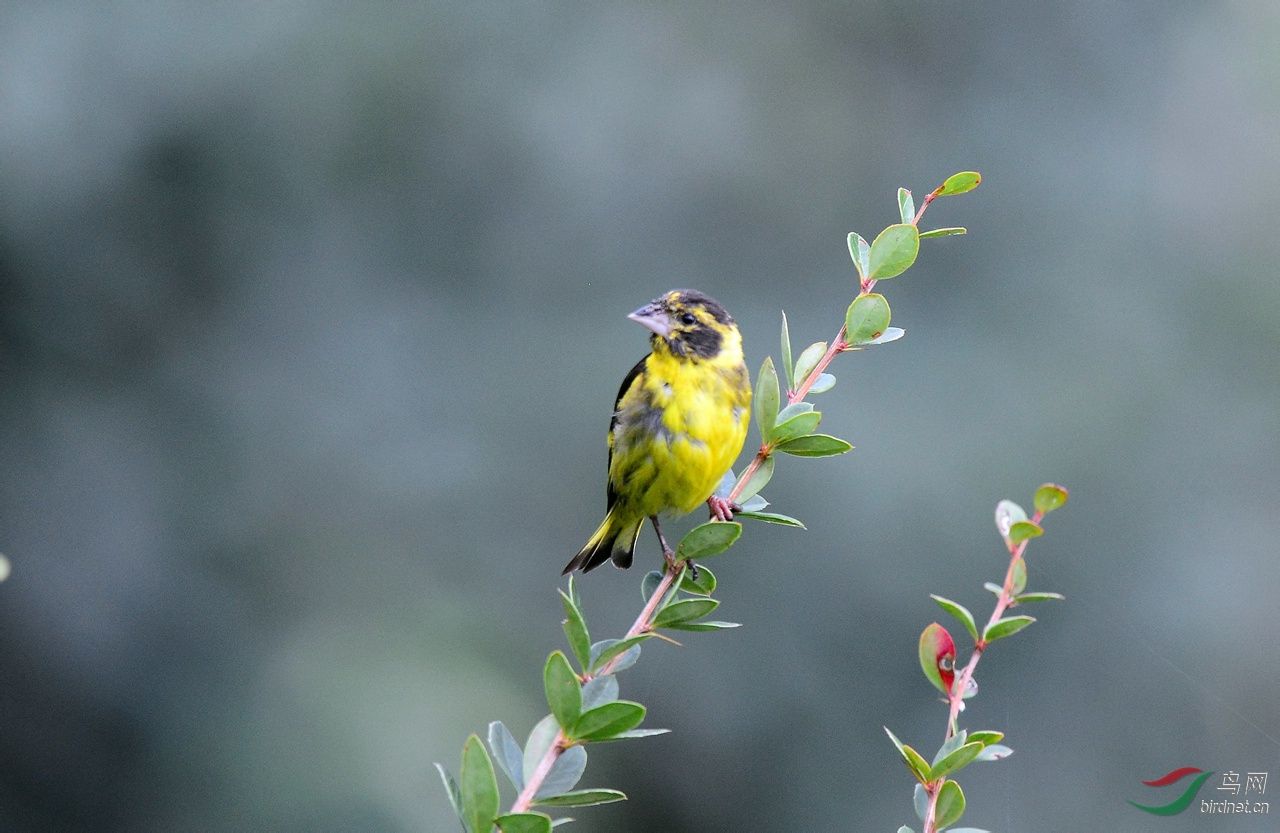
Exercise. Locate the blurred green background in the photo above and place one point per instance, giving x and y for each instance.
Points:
(311, 315)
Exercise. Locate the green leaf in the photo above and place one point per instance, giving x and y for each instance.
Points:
(950, 805)
(906, 206)
(1038, 597)
(755, 503)
(573, 592)
(808, 360)
(1019, 575)
(823, 383)
(565, 772)
(958, 184)
(866, 319)
(507, 754)
(758, 479)
(708, 539)
(1049, 497)
(455, 795)
(1007, 626)
(540, 739)
(703, 585)
(599, 690)
(797, 426)
(479, 786)
(793, 409)
(769, 518)
(566, 820)
(893, 251)
(920, 800)
(575, 630)
(936, 646)
(860, 252)
(905, 829)
(995, 752)
(649, 584)
(787, 364)
(1008, 513)
(583, 798)
(687, 610)
(815, 445)
(994, 588)
(956, 761)
(635, 733)
(704, 625)
(942, 232)
(986, 737)
(950, 745)
(606, 649)
(960, 612)
(1023, 530)
(564, 692)
(524, 823)
(915, 762)
(766, 398)
(608, 720)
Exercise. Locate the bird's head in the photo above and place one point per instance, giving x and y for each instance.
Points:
(689, 324)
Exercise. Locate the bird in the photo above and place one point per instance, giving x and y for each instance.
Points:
(678, 424)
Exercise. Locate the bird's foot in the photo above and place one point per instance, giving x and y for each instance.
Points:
(674, 565)
(722, 509)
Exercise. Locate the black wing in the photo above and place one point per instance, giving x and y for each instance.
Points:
(610, 495)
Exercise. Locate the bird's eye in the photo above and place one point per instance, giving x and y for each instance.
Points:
(688, 318)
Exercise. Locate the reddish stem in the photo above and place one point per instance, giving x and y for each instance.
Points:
(642, 624)
(956, 696)
(837, 344)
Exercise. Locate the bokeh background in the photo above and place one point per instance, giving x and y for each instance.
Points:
(311, 315)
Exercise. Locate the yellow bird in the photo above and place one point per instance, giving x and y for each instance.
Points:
(678, 424)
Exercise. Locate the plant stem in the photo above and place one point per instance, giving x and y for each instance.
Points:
(837, 344)
(956, 696)
(641, 625)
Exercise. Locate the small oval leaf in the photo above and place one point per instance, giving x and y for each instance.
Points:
(766, 395)
(524, 823)
(942, 232)
(937, 651)
(756, 479)
(708, 539)
(479, 786)
(1049, 497)
(608, 720)
(787, 364)
(893, 251)
(815, 445)
(583, 798)
(960, 612)
(807, 361)
(797, 426)
(564, 692)
(960, 183)
(866, 319)
(906, 206)
(687, 610)
(1007, 626)
(950, 805)
(1023, 531)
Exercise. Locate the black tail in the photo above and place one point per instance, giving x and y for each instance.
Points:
(609, 541)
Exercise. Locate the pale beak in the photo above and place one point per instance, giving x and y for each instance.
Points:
(654, 318)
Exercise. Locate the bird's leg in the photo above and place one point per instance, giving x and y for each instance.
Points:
(722, 509)
(668, 554)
